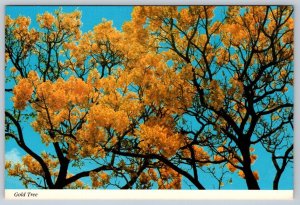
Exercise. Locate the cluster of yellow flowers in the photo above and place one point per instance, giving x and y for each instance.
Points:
(22, 93)
(46, 20)
(169, 179)
(53, 109)
(99, 179)
(255, 174)
(234, 34)
(159, 139)
(239, 29)
(16, 169)
(144, 178)
(107, 117)
(19, 28)
(30, 166)
(237, 88)
(165, 177)
(199, 153)
(234, 161)
(106, 31)
(216, 95)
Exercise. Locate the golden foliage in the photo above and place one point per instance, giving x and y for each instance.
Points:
(216, 95)
(159, 139)
(169, 179)
(22, 93)
(109, 88)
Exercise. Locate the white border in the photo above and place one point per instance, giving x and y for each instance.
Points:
(23, 194)
(235, 196)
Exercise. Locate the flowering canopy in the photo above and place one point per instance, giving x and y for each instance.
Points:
(178, 93)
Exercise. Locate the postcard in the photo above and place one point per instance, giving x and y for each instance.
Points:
(145, 102)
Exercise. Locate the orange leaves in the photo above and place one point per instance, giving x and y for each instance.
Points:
(222, 56)
(231, 167)
(46, 20)
(186, 19)
(138, 15)
(93, 78)
(255, 174)
(204, 12)
(32, 165)
(233, 12)
(161, 85)
(187, 72)
(50, 162)
(14, 170)
(201, 156)
(285, 89)
(290, 23)
(159, 139)
(165, 177)
(135, 40)
(237, 88)
(90, 150)
(241, 25)
(156, 14)
(241, 174)
(215, 28)
(153, 174)
(105, 30)
(30, 37)
(55, 102)
(99, 179)
(144, 178)
(19, 29)
(74, 90)
(22, 22)
(216, 95)
(50, 94)
(218, 158)
(241, 109)
(149, 19)
(201, 40)
(60, 24)
(282, 74)
(220, 149)
(288, 38)
(234, 163)
(108, 117)
(253, 158)
(233, 34)
(169, 179)
(22, 93)
(8, 21)
(101, 47)
(70, 22)
(78, 91)
(282, 15)
(244, 23)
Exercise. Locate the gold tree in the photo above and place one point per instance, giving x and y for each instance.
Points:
(177, 93)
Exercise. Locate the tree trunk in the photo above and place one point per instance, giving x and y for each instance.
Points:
(250, 179)
(276, 180)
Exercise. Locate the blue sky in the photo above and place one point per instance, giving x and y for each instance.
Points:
(91, 16)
